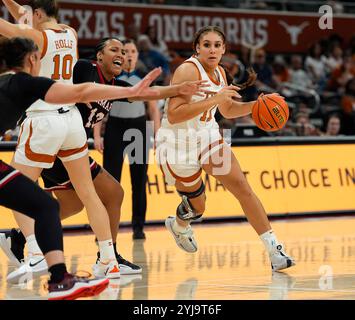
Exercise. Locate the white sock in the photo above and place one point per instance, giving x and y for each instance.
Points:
(106, 250)
(179, 228)
(32, 245)
(269, 239)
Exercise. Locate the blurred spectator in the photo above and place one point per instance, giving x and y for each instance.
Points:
(303, 126)
(335, 40)
(335, 59)
(175, 60)
(286, 131)
(298, 75)
(314, 65)
(133, 32)
(152, 59)
(341, 75)
(245, 55)
(157, 44)
(333, 126)
(280, 70)
(303, 108)
(348, 107)
(348, 100)
(263, 69)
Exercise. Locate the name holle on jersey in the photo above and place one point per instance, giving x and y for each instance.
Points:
(63, 44)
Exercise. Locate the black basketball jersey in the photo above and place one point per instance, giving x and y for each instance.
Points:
(94, 112)
(18, 91)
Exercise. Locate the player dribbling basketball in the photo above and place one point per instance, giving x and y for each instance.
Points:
(189, 142)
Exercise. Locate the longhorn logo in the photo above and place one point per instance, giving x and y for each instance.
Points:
(294, 31)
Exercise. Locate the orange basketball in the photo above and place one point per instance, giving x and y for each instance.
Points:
(270, 112)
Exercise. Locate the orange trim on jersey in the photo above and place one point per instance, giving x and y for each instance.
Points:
(213, 80)
(211, 146)
(45, 44)
(198, 70)
(184, 179)
(33, 156)
(218, 83)
(223, 73)
(70, 152)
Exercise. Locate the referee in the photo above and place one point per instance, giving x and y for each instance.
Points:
(127, 126)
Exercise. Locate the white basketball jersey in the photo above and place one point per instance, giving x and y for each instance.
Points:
(204, 120)
(59, 55)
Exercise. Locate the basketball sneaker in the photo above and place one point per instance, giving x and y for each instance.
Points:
(13, 245)
(124, 265)
(34, 266)
(72, 287)
(279, 259)
(185, 240)
(109, 270)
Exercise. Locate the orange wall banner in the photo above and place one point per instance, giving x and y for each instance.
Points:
(287, 179)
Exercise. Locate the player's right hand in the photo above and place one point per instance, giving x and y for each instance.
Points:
(99, 144)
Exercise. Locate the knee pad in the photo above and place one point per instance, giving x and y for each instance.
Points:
(185, 210)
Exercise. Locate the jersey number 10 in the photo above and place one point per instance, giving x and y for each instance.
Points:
(63, 67)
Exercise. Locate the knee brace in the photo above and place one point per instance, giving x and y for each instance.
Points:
(185, 210)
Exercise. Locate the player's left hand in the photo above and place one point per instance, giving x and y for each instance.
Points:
(142, 89)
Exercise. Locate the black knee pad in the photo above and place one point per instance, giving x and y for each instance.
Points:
(185, 210)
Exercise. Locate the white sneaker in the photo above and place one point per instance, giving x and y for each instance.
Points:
(34, 266)
(279, 259)
(109, 270)
(186, 241)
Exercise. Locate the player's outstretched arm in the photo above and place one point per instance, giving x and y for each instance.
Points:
(86, 92)
(187, 88)
(10, 30)
(16, 10)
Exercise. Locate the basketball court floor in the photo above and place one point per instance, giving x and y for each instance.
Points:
(231, 264)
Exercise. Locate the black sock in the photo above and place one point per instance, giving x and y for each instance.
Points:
(114, 248)
(21, 237)
(57, 272)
